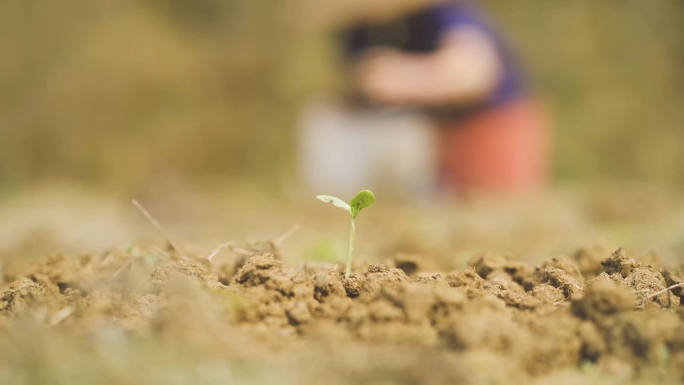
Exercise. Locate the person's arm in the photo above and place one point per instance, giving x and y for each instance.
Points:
(465, 68)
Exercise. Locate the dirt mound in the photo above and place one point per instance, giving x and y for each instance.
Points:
(535, 321)
(559, 323)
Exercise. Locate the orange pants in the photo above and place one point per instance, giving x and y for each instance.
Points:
(505, 149)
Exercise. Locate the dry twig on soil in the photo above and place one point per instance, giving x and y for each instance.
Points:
(657, 293)
(665, 290)
(218, 249)
(159, 228)
(286, 235)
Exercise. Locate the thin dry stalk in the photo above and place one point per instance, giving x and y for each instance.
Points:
(107, 259)
(61, 315)
(123, 267)
(161, 252)
(286, 235)
(645, 298)
(665, 290)
(159, 228)
(218, 249)
(241, 251)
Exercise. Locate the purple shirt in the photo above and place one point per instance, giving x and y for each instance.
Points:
(421, 32)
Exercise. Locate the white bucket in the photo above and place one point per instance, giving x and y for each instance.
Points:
(344, 151)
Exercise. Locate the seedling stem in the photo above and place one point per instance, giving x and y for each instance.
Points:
(352, 239)
(363, 199)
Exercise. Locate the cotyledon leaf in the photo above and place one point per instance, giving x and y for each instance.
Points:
(335, 201)
(363, 199)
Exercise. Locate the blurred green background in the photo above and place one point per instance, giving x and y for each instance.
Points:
(119, 94)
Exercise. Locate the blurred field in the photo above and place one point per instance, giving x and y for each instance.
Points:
(122, 94)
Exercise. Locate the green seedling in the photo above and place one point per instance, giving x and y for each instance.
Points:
(363, 199)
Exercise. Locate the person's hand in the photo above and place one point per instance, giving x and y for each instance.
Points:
(466, 68)
(388, 77)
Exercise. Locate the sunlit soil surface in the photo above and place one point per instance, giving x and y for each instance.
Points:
(565, 288)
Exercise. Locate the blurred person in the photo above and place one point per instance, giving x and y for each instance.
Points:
(446, 60)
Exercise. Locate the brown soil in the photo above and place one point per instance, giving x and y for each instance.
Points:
(497, 321)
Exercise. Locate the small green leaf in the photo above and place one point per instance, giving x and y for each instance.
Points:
(335, 201)
(363, 199)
